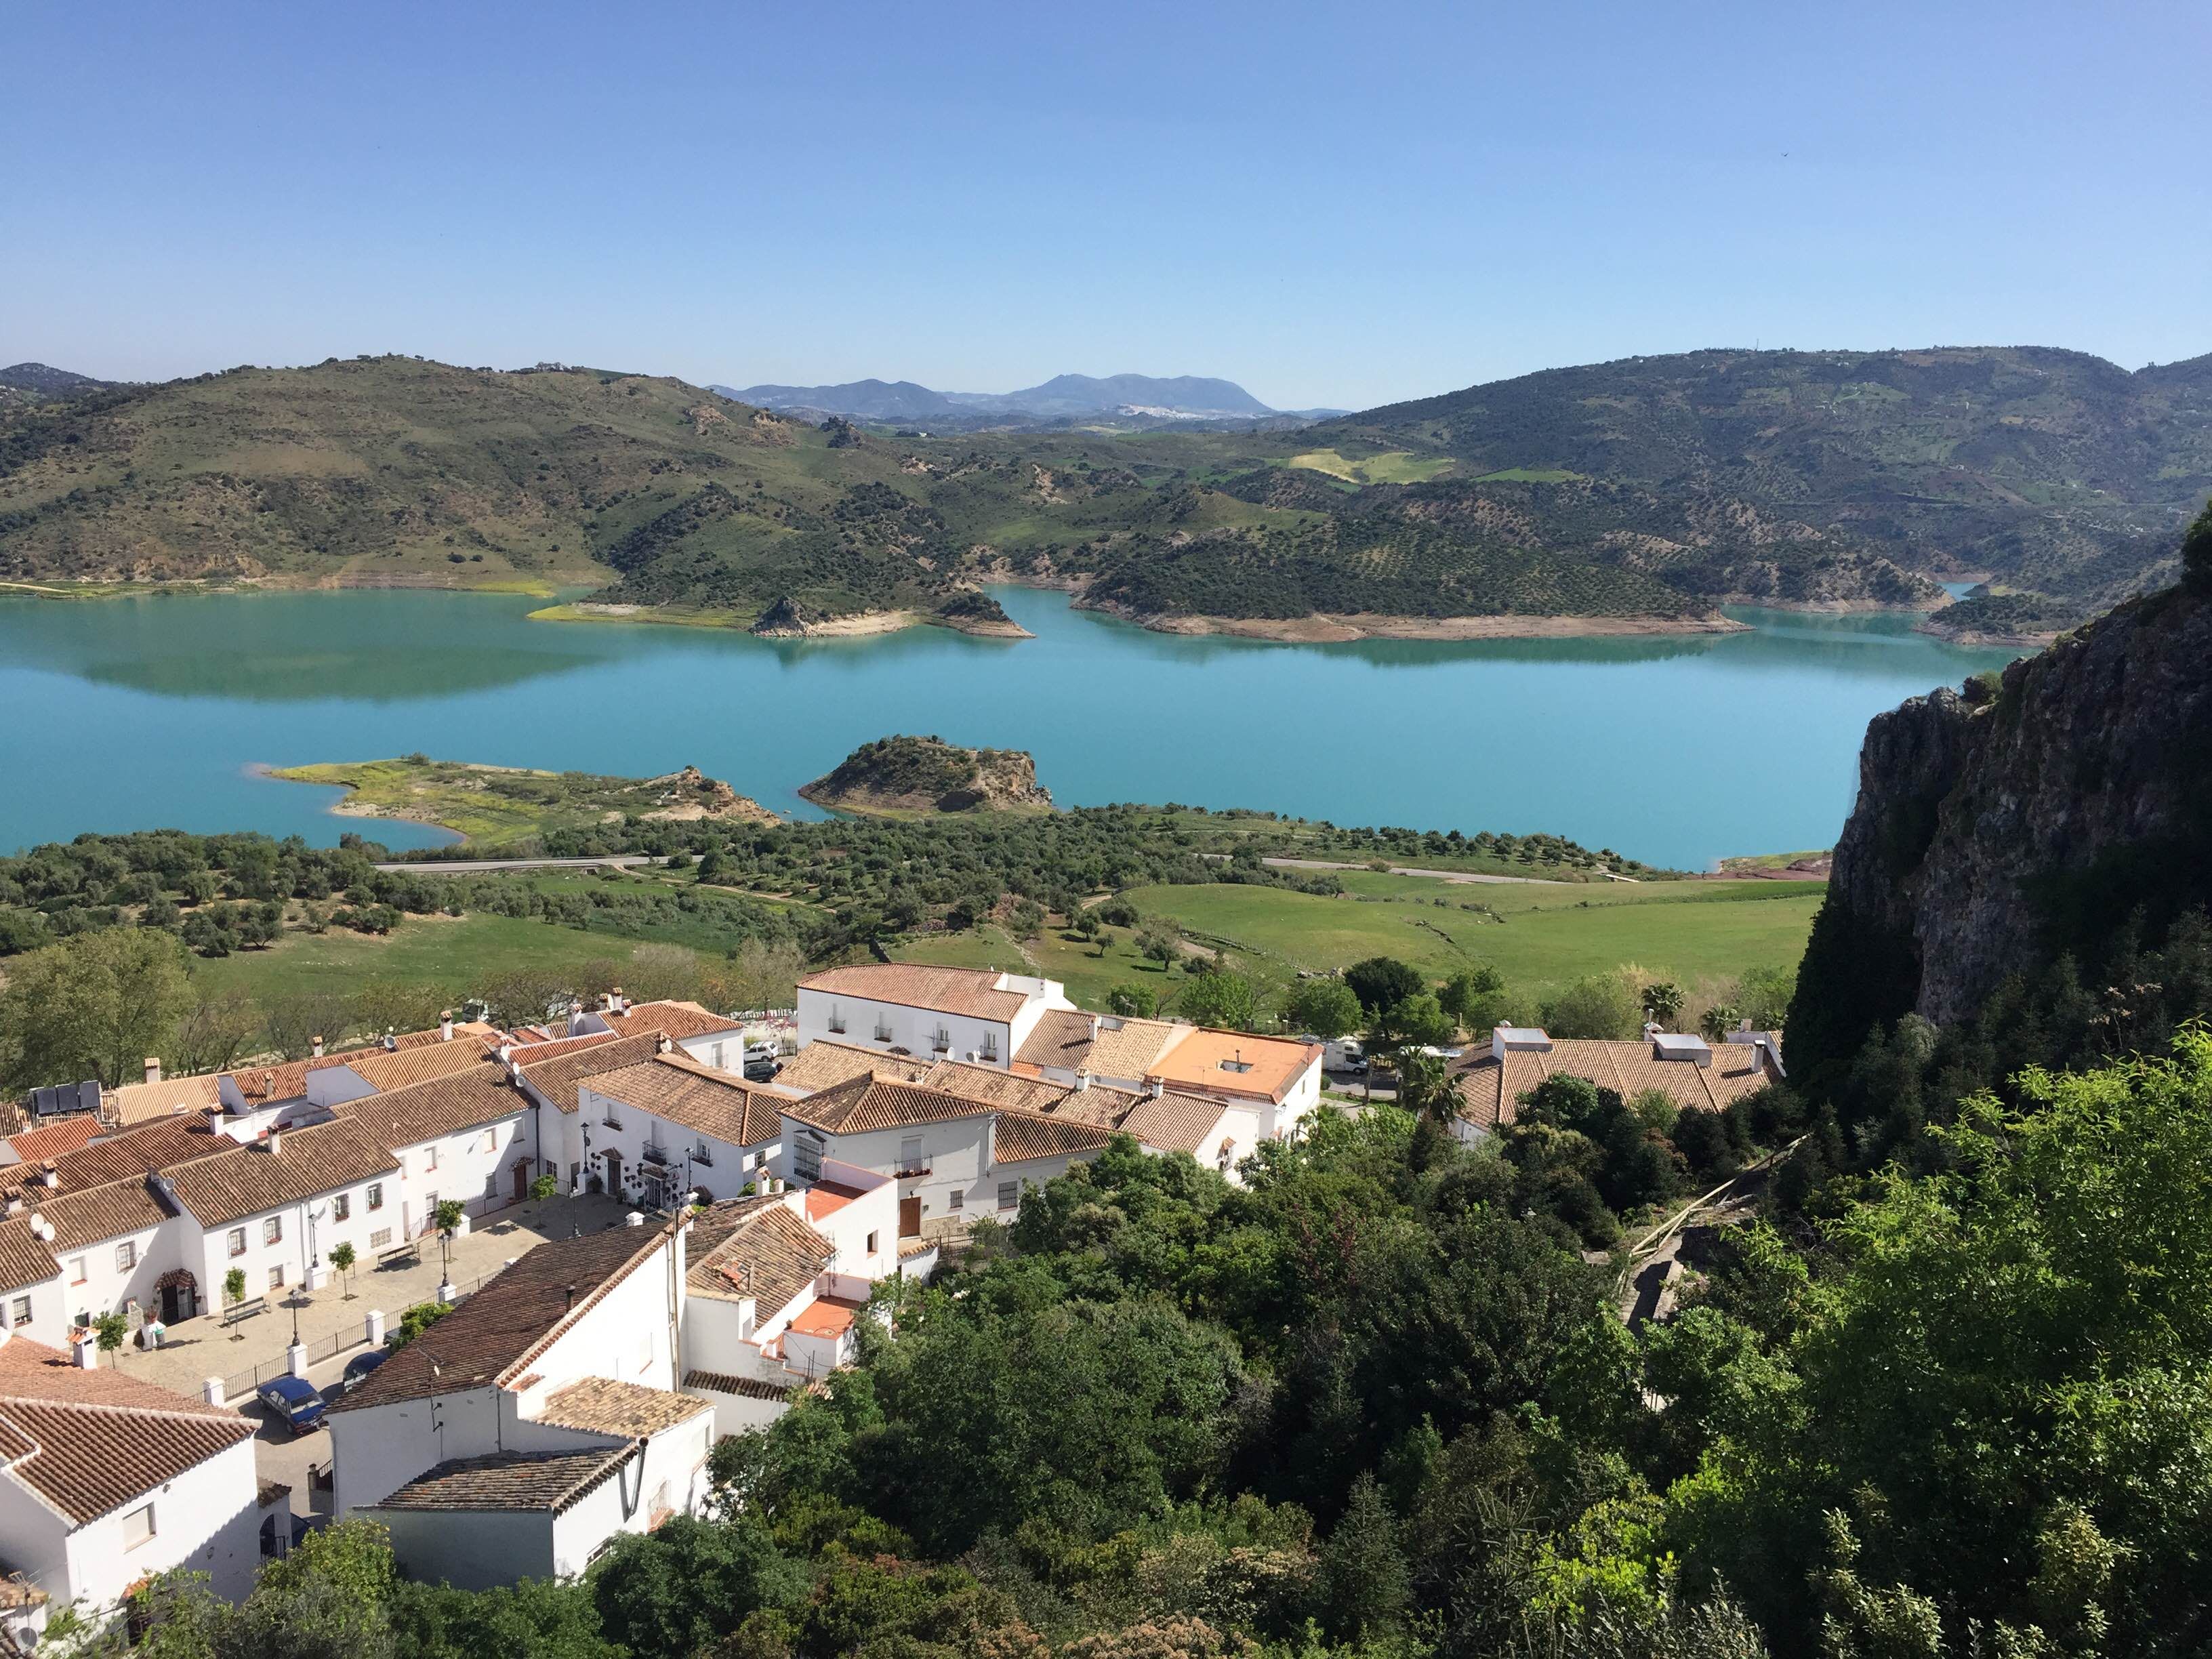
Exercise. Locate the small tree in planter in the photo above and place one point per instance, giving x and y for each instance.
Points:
(343, 1258)
(447, 1219)
(234, 1292)
(113, 1329)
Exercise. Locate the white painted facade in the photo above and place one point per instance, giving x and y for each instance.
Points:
(658, 1159)
(206, 1520)
(929, 1033)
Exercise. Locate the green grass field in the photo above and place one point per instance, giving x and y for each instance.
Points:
(456, 953)
(1392, 466)
(1540, 939)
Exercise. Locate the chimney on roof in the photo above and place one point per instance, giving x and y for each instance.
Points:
(15, 1205)
(49, 1176)
(153, 1068)
(1082, 1079)
(665, 1046)
(1156, 1086)
(317, 1045)
(446, 1026)
(276, 1142)
(1650, 1031)
(1744, 1023)
(1096, 1024)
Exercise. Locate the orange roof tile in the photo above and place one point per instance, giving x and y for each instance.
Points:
(970, 991)
(1237, 1063)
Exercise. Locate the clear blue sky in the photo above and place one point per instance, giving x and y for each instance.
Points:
(1331, 205)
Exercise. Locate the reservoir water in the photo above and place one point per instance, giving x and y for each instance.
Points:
(155, 712)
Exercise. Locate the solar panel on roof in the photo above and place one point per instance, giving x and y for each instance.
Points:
(57, 1098)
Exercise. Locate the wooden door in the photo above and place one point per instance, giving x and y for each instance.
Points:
(521, 1181)
(910, 1217)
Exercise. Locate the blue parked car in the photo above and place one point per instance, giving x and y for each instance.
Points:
(293, 1400)
(358, 1368)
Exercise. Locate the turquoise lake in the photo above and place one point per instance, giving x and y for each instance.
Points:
(153, 711)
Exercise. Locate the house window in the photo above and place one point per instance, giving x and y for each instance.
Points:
(491, 1185)
(909, 1152)
(837, 1020)
(990, 1049)
(944, 1039)
(342, 1207)
(277, 1278)
(236, 1240)
(872, 1244)
(883, 1030)
(490, 1142)
(126, 1256)
(76, 1270)
(375, 1195)
(19, 1311)
(959, 1199)
(430, 1158)
(272, 1230)
(137, 1526)
(380, 1239)
(1009, 1194)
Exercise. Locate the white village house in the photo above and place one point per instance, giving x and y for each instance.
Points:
(105, 1481)
(906, 1010)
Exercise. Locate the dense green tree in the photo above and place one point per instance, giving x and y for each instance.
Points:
(1601, 1006)
(1476, 997)
(669, 1593)
(1132, 1002)
(1220, 997)
(93, 1007)
(1328, 1007)
(1382, 982)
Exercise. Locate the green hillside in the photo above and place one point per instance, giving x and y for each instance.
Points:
(2055, 469)
(1656, 487)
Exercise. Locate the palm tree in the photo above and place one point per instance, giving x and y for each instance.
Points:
(1662, 1001)
(343, 1258)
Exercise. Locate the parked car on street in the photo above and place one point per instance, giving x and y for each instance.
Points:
(358, 1368)
(293, 1400)
(763, 1069)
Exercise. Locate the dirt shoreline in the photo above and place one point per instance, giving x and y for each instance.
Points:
(1324, 629)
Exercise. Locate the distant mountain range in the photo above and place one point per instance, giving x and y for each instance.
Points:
(1121, 401)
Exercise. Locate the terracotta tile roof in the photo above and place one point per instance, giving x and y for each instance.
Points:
(252, 1179)
(443, 1106)
(748, 1388)
(405, 1066)
(879, 1103)
(970, 991)
(1178, 1122)
(1018, 1137)
(556, 1079)
(1122, 1048)
(551, 1481)
(24, 1261)
(88, 1441)
(771, 1255)
(1490, 1093)
(288, 1079)
(675, 1087)
(532, 1043)
(100, 1214)
(67, 1136)
(1207, 1059)
(823, 1064)
(993, 1087)
(492, 1337)
(606, 1406)
(142, 1103)
(129, 1154)
(826, 1316)
(680, 1020)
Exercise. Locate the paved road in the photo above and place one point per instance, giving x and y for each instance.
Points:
(486, 866)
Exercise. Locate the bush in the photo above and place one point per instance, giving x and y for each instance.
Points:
(1602, 1005)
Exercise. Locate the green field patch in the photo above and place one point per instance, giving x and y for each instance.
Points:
(1392, 466)
(1532, 475)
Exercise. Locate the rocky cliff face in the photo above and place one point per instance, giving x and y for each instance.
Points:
(1996, 829)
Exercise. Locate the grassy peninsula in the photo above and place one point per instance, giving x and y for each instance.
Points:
(497, 807)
